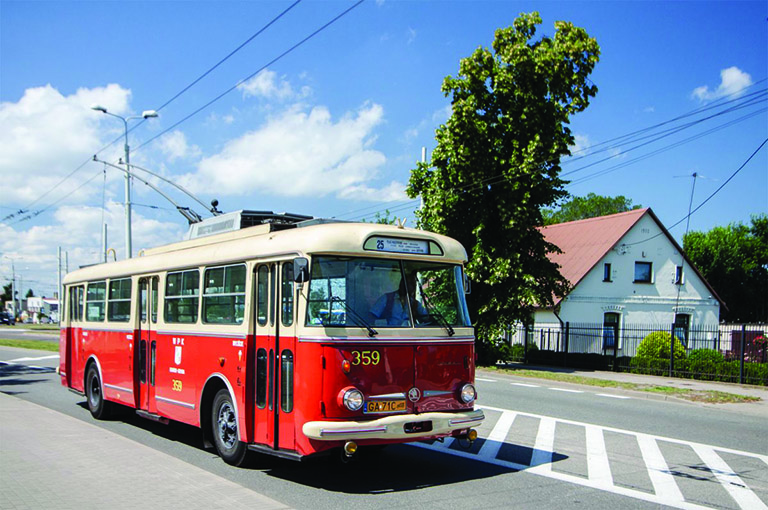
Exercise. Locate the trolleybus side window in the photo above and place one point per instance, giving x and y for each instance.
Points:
(286, 381)
(76, 295)
(261, 378)
(182, 290)
(286, 308)
(272, 292)
(95, 301)
(224, 295)
(261, 295)
(119, 304)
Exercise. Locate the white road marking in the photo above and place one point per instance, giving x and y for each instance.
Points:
(524, 385)
(565, 390)
(484, 380)
(599, 475)
(55, 356)
(732, 483)
(622, 397)
(662, 479)
(541, 459)
(497, 436)
(598, 467)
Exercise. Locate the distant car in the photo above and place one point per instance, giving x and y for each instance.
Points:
(7, 318)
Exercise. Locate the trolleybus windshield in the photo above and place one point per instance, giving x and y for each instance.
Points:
(367, 292)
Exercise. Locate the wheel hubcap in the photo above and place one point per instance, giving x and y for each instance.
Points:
(227, 425)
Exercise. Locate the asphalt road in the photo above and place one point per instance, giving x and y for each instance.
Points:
(19, 332)
(610, 450)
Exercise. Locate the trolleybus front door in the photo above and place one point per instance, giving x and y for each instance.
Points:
(145, 358)
(275, 347)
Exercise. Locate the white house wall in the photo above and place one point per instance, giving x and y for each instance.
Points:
(639, 303)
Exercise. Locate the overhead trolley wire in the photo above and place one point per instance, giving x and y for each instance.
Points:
(236, 85)
(176, 96)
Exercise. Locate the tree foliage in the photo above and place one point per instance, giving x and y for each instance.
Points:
(591, 206)
(734, 260)
(497, 163)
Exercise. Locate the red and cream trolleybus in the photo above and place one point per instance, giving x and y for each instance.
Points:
(289, 339)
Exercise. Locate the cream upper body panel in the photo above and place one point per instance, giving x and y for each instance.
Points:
(260, 242)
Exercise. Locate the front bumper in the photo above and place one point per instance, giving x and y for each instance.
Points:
(393, 427)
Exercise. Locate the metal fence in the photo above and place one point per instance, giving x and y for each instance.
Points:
(726, 352)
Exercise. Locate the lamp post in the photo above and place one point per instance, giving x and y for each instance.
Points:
(147, 114)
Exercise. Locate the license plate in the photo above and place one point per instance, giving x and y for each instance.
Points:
(384, 406)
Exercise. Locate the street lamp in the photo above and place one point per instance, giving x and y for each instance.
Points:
(147, 114)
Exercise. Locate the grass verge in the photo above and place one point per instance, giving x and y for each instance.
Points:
(40, 345)
(705, 396)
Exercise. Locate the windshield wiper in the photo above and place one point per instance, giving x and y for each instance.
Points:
(360, 320)
(435, 314)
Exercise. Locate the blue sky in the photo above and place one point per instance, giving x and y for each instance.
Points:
(334, 127)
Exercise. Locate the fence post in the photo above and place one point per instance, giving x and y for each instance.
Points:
(567, 335)
(525, 344)
(743, 348)
(672, 352)
(616, 333)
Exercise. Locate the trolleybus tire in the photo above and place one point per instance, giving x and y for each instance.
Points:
(99, 408)
(224, 429)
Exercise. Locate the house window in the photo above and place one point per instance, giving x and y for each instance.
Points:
(606, 272)
(679, 275)
(643, 272)
(610, 330)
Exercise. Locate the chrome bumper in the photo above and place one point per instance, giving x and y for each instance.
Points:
(392, 427)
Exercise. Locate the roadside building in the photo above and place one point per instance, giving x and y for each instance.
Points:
(627, 269)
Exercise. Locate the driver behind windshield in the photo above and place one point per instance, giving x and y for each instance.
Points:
(393, 306)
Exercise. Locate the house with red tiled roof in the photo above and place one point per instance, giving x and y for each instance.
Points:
(627, 269)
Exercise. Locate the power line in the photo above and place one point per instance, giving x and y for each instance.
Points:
(691, 213)
(176, 96)
(235, 86)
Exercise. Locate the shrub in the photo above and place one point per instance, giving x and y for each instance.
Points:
(706, 356)
(656, 346)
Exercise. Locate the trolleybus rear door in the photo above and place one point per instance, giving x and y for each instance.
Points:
(265, 340)
(275, 347)
(145, 358)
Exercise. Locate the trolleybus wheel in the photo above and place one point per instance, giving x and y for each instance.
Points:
(224, 423)
(100, 408)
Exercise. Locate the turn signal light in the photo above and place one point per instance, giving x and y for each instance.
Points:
(472, 434)
(346, 366)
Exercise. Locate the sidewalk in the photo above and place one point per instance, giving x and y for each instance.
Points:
(761, 392)
(51, 460)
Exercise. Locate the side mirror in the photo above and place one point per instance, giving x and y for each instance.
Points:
(467, 284)
(301, 270)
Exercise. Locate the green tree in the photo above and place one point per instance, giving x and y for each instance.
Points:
(6, 295)
(591, 206)
(734, 260)
(497, 163)
(30, 293)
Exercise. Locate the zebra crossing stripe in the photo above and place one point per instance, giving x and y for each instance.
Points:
(493, 444)
(598, 467)
(729, 480)
(541, 459)
(664, 484)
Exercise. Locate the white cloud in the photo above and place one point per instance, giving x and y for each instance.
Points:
(266, 85)
(362, 192)
(732, 81)
(46, 135)
(174, 145)
(296, 153)
(581, 144)
(77, 230)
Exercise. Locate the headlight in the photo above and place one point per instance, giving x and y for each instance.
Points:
(353, 399)
(468, 393)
